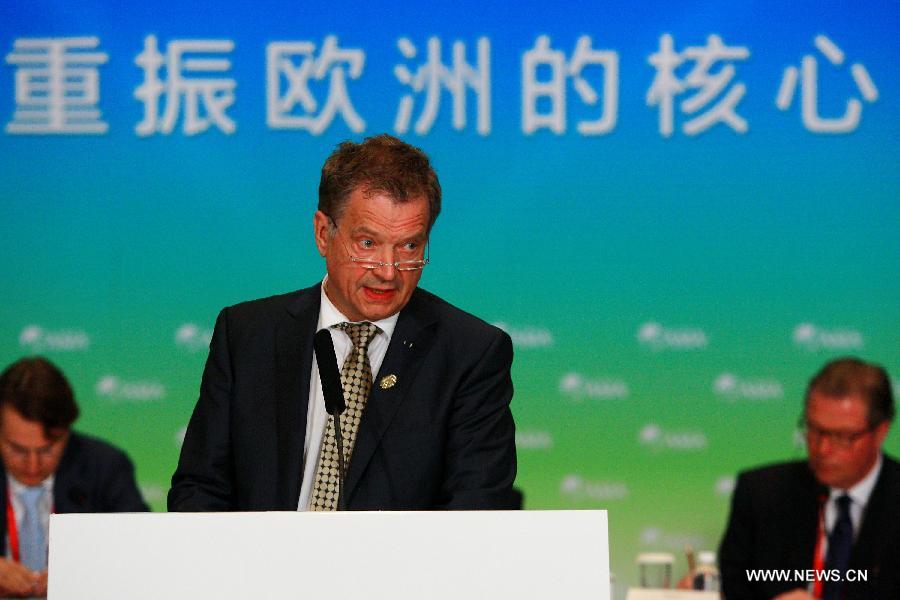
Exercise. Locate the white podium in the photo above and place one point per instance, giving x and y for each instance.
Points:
(493, 555)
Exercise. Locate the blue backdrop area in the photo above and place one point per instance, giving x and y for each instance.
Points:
(678, 211)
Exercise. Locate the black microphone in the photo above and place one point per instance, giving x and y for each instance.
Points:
(333, 393)
(329, 374)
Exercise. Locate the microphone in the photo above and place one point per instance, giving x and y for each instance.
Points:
(329, 374)
(333, 393)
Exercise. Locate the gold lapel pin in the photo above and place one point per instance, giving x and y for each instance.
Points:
(388, 381)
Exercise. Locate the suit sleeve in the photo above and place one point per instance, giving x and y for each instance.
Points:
(203, 480)
(120, 492)
(480, 464)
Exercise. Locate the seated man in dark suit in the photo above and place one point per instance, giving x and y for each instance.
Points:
(47, 468)
(426, 385)
(827, 527)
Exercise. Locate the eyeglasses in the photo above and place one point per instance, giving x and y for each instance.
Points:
(400, 265)
(21, 453)
(840, 439)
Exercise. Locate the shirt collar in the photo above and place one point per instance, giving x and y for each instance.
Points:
(329, 315)
(860, 492)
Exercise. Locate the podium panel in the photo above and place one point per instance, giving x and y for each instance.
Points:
(373, 555)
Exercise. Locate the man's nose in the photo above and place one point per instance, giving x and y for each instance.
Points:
(32, 461)
(824, 444)
(386, 271)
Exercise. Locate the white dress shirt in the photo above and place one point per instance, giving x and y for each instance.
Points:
(316, 417)
(859, 496)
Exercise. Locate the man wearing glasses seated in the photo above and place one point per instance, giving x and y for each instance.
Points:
(48, 468)
(427, 387)
(827, 527)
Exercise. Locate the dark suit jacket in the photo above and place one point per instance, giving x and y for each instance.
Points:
(773, 525)
(442, 437)
(92, 477)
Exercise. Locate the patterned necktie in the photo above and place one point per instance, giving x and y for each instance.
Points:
(839, 544)
(356, 379)
(32, 538)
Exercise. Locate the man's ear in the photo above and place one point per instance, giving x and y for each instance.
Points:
(881, 431)
(321, 231)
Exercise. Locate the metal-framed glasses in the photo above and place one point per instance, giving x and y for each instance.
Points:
(22, 453)
(841, 439)
(370, 263)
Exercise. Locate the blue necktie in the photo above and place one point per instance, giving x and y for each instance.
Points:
(839, 544)
(32, 538)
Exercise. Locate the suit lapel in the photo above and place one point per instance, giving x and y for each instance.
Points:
(293, 349)
(809, 503)
(65, 498)
(4, 482)
(410, 343)
(878, 512)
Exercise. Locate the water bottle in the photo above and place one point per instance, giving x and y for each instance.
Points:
(706, 576)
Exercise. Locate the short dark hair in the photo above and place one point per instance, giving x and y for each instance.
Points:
(853, 377)
(38, 391)
(383, 164)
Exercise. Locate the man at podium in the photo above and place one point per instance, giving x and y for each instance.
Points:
(49, 468)
(426, 387)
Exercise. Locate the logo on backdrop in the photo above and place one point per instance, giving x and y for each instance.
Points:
(534, 440)
(656, 537)
(724, 485)
(153, 492)
(576, 488)
(656, 337)
(179, 436)
(526, 336)
(798, 439)
(656, 438)
(114, 388)
(193, 338)
(812, 338)
(37, 339)
(732, 388)
(579, 387)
